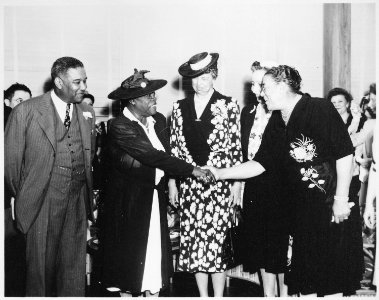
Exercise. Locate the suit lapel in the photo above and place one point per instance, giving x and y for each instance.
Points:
(84, 126)
(46, 118)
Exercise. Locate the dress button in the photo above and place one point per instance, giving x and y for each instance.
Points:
(69, 136)
(69, 145)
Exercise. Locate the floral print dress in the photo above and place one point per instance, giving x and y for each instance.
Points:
(205, 213)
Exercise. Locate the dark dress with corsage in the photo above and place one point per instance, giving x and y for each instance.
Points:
(212, 139)
(326, 257)
(265, 232)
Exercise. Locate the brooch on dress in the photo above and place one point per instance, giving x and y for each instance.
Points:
(305, 150)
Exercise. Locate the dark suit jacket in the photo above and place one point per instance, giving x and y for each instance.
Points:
(29, 149)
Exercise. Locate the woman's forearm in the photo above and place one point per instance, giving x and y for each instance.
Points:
(370, 196)
(344, 172)
(242, 171)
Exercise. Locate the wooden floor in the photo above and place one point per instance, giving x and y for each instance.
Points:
(184, 285)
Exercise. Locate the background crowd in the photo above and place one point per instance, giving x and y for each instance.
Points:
(305, 163)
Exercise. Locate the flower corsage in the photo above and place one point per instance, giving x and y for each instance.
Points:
(304, 150)
(219, 111)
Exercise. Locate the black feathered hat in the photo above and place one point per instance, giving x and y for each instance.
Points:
(136, 86)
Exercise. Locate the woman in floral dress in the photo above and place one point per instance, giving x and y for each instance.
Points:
(205, 131)
(327, 248)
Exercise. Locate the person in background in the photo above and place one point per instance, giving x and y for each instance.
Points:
(327, 255)
(265, 221)
(205, 131)
(368, 102)
(49, 146)
(14, 242)
(134, 236)
(347, 109)
(354, 121)
(14, 95)
(369, 214)
(98, 180)
(89, 99)
(364, 138)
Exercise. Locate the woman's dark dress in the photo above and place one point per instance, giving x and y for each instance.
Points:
(265, 220)
(327, 257)
(128, 203)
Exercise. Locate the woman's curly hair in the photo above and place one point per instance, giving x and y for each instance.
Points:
(339, 91)
(264, 65)
(213, 70)
(288, 75)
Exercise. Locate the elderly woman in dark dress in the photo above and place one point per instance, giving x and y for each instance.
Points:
(134, 238)
(205, 131)
(327, 255)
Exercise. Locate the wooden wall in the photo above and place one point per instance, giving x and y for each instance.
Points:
(337, 46)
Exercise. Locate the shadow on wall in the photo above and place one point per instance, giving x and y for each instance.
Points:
(186, 85)
(186, 88)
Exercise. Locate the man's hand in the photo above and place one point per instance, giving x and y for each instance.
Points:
(203, 175)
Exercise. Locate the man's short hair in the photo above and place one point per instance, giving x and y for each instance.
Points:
(89, 96)
(61, 65)
(9, 92)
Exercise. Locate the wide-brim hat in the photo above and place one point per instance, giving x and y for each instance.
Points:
(136, 86)
(198, 64)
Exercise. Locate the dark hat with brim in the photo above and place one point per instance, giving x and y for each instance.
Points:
(136, 86)
(198, 64)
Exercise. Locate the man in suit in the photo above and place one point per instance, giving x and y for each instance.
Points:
(49, 145)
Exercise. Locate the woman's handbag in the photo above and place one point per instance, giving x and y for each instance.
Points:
(230, 253)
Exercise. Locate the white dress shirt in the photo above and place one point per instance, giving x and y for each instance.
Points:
(60, 106)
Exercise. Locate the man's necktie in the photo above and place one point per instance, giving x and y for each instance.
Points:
(67, 120)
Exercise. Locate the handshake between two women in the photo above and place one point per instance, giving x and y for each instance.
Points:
(205, 174)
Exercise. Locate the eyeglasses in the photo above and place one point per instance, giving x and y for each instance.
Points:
(151, 96)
